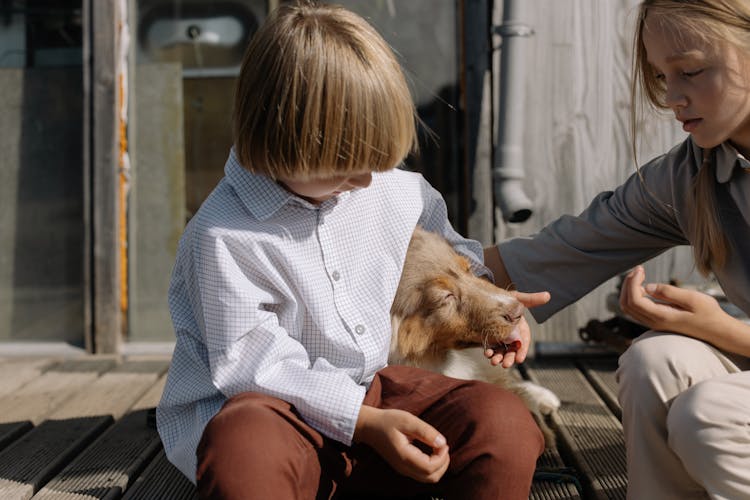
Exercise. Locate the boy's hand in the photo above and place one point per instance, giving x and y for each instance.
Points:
(509, 357)
(392, 432)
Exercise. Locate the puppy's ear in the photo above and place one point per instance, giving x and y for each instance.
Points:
(413, 339)
(407, 301)
(463, 262)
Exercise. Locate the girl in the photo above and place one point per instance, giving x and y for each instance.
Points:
(684, 386)
(281, 291)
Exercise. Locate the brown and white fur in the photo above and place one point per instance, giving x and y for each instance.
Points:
(443, 317)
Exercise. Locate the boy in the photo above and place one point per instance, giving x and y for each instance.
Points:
(279, 385)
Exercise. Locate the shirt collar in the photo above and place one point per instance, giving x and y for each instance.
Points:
(727, 159)
(260, 194)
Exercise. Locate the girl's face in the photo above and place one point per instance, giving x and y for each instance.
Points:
(319, 190)
(707, 88)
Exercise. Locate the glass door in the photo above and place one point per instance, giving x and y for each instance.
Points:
(187, 58)
(41, 172)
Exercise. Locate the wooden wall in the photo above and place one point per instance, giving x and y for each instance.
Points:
(577, 132)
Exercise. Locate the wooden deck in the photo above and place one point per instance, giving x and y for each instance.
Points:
(78, 428)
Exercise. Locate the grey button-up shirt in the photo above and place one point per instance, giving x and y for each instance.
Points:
(637, 221)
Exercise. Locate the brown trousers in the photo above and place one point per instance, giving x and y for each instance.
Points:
(259, 447)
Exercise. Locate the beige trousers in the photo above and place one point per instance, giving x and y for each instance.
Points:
(686, 415)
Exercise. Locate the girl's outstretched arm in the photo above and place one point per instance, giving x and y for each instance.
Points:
(669, 308)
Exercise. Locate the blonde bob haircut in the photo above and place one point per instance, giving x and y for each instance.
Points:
(717, 23)
(320, 94)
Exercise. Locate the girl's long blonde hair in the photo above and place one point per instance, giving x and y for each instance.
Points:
(320, 93)
(717, 22)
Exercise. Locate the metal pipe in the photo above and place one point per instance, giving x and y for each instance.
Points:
(508, 169)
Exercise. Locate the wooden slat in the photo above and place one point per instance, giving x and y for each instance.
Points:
(601, 375)
(549, 488)
(95, 364)
(111, 394)
(15, 373)
(161, 480)
(33, 459)
(11, 431)
(37, 399)
(24, 399)
(151, 398)
(106, 467)
(59, 382)
(588, 431)
(140, 364)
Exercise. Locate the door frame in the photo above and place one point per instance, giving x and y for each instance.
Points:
(103, 315)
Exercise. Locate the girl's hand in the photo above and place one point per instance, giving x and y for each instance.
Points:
(683, 311)
(509, 357)
(391, 433)
(672, 309)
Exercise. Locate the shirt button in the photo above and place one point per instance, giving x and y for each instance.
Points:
(335, 275)
(360, 329)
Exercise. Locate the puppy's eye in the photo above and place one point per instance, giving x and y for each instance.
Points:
(448, 298)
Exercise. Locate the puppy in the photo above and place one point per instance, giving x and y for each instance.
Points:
(444, 317)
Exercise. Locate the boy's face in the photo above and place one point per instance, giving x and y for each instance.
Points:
(319, 190)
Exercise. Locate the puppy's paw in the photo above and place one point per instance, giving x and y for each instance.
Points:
(542, 398)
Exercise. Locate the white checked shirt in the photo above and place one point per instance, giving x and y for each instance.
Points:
(275, 295)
